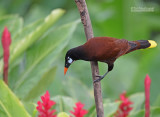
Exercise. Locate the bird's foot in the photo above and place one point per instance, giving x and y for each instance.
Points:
(99, 79)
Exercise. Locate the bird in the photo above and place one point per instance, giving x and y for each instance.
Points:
(104, 49)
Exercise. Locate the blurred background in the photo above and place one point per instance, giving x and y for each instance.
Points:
(113, 18)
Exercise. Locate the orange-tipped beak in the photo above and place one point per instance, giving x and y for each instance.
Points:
(65, 70)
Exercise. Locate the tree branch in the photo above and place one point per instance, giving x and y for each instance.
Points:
(82, 7)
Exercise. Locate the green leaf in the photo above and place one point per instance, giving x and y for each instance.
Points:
(138, 101)
(10, 103)
(110, 107)
(2, 112)
(26, 31)
(139, 113)
(45, 52)
(31, 108)
(43, 83)
(92, 112)
(155, 111)
(63, 103)
(63, 114)
(78, 90)
(157, 101)
(27, 41)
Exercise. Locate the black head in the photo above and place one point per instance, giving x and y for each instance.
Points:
(69, 59)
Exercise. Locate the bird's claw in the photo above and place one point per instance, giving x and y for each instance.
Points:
(99, 79)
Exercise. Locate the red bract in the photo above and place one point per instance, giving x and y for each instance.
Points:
(44, 107)
(125, 106)
(6, 41)
(78, 110)
(147, 83)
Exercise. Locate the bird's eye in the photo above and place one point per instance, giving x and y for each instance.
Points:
(70, 60)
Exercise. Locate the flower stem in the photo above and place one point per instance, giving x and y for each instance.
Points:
(147, 83)
(6, 41)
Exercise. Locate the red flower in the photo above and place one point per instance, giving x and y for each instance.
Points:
(124, 107)
(78, 110)
(44, 107)
(147, 83)
(6, 41)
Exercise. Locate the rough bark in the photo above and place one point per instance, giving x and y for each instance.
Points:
(82, 7)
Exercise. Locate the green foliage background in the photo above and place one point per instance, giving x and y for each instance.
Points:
(37, 65)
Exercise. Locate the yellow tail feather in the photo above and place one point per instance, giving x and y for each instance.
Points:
(153, 44)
